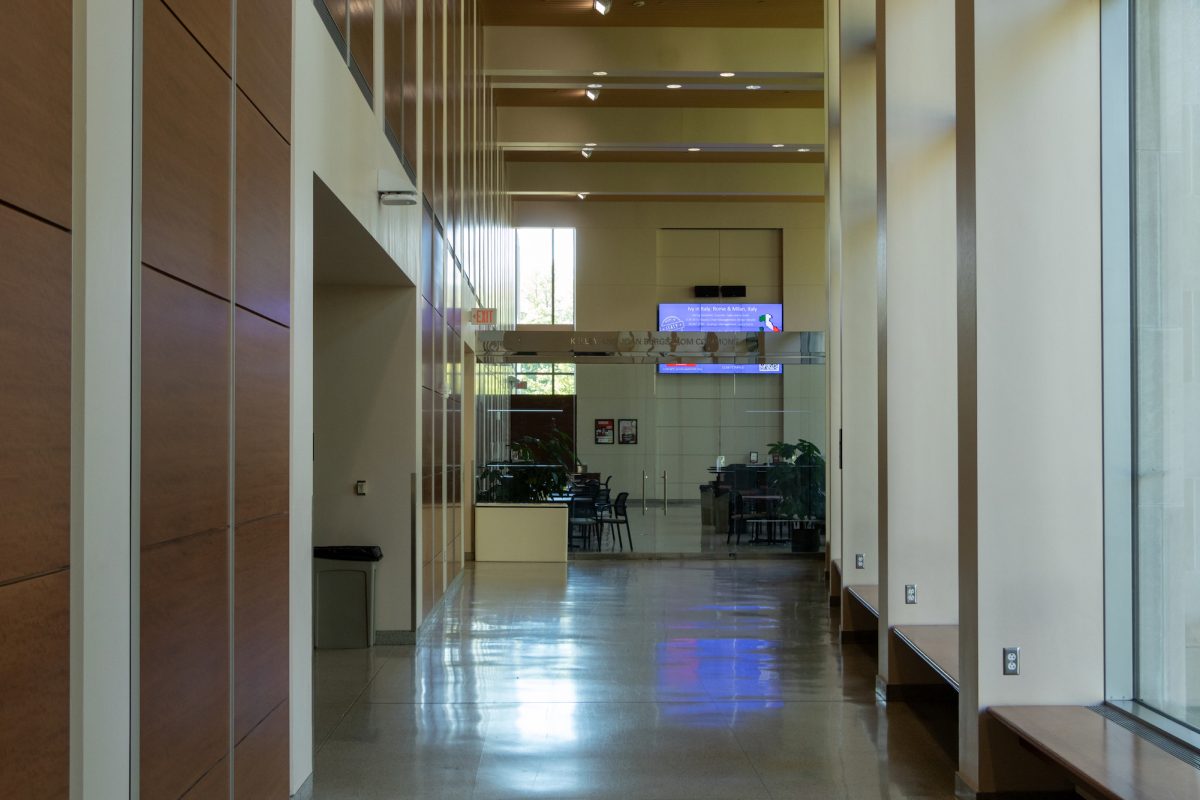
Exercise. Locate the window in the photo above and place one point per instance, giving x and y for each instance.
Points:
(1155, 544)
(545, 379)
(545, 276)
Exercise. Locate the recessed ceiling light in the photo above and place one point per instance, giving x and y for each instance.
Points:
(693, 149)
(590, 144)
(602, 6)
(803, 149)
(674, 86)
(595, 85)
(753, 86)
(600, 73)
(728, 74)
(776, 145)
(592, 94)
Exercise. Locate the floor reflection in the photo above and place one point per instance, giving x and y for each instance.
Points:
(635, 679)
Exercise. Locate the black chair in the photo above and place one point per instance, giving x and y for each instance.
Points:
(585, 521)
(618, 516)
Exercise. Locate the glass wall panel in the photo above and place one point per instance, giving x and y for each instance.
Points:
(1167, 352)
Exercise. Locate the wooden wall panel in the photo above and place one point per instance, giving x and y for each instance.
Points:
(265, 57)
(185, 156)
(264, 196)
(185, 410)
(260, 621)
(261, 418)
(430, 130)
(393, 67)
(184, 662)
(35, 396)
(261, 761)
(211, 23)
(362, 38)
(411, 97)
(213, 786)
(35, 673)
(35, 108)
(337, 9)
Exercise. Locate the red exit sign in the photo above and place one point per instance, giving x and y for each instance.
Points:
(483, 316)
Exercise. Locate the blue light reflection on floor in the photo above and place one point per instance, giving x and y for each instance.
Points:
(741, 670)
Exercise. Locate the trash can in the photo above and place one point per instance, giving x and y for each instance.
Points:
(706, 504)
(344, 596)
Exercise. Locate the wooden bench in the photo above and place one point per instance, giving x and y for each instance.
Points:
(922, 659)
(860, 613)
(1101, 758)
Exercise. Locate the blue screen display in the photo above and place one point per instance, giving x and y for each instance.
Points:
(720, 317)
(720, 369)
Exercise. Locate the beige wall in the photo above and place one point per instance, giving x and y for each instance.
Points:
(918, 532)
(617, 254)
(364, 362)
(859, 294)
(633, 256)
(1031, 491)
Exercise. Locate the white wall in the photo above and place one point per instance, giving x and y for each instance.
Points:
(1031, 491)
(337, 137)
(364, 358)
(919, 448)
(859, 294)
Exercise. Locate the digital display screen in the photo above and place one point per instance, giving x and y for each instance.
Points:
(720, 369)
(721, 317)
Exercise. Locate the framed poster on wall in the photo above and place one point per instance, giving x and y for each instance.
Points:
(627, 431)
(605, 431)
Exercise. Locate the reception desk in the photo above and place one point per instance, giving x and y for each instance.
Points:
(535, 532)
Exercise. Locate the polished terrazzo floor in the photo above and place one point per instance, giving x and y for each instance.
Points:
(654, 679)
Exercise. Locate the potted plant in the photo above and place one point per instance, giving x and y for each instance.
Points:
(540, 467)
(798, 476)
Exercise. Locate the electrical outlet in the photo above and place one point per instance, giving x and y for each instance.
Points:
(910, 594)
(1012, 661)
(860, 561)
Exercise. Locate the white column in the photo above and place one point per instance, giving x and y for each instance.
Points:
(918, 446)
(106, 230)
(1029, 335)
(859, 394)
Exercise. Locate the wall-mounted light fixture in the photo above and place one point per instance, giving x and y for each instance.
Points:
(399, 198)
(602, 6)
(586, 152)
(583, 195)
(592, 94)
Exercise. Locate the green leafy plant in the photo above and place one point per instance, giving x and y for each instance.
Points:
(540, 467)
(799, 478)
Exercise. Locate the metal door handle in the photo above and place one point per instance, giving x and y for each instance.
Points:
(664, 492)
(644, 476)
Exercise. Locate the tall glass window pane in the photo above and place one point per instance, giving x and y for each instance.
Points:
(535, 276)
(545, 276)
(564, 276)
(1167, 374)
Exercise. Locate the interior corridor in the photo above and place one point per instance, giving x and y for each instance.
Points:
(650, 679)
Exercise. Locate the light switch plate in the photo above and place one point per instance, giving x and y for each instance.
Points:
(860, 561)
(910, 594)
(1012, 661)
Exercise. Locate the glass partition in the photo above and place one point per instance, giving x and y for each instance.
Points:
(678, 463)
